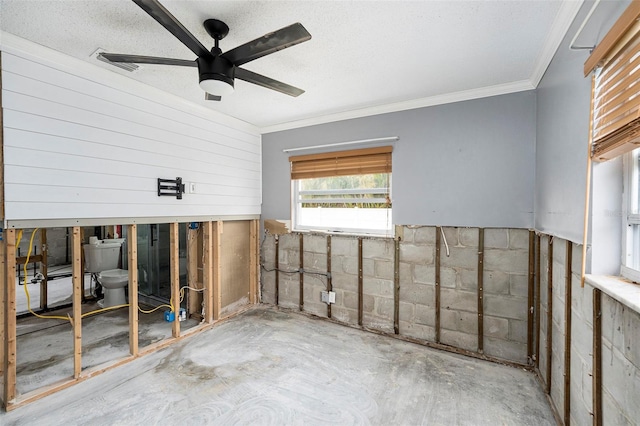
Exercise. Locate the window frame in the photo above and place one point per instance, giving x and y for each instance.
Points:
(296, 207)
(630, 217)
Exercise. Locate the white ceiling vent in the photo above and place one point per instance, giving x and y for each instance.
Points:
(127, 67)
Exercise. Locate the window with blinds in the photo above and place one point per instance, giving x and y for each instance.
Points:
(616, 102)
(344, 191)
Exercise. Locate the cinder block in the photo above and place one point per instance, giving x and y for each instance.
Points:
(459, 300)
(448, 277)
(406, 273)
(316, 244)
(496, 238)
(449, 319)
(503, 349)
(377, 323)
(417, 331)
(425, 274)
(289, 241)
(425, 235)
(519, 239)
(506, 307)
(378, 249)
(468, 280)
(384, 269)
(631, 348)
(418, 293)
(459, 340)
(468, 322)
(496, 282)
(518, 331)
(350, 301)
(406, 311)
(469, 237)
(506, 261)
(408, 234)
(519, 285)
(349, 265)
(344, 246)
(368, 267)
(416, 254)
(344, 281)
(314, 262)
(378, 287)
(496, 327)
(460, 257)
(348, 316)
(451, 235)
(384, 307)
(425, 315)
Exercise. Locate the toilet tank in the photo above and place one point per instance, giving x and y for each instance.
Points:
(101, 256)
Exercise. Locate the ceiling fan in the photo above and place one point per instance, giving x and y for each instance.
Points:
(218, 70)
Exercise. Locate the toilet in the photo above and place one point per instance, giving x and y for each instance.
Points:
(101, 258)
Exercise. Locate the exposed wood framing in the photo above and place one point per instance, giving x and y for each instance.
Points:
(44, 269)
(329, 282)
(549, 313)
(301, 275)
(132, 261)
(530, 297)
(208, 270)
(194, 305)
(396, 285)
(255, 262)
(277, 269)
(10, 350)
(537, 310)
(217, 269)
(597, 358)
(481, 290)
(174, 271)
(360, 282)
(77, 301)
(437, 284)
(567, 334)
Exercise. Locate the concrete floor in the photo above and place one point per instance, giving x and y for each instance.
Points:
(269, 367)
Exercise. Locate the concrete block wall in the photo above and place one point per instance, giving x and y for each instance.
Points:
(620, 363)
(505, 276)
(558, 323)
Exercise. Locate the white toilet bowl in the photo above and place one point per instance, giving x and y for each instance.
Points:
(113, 282)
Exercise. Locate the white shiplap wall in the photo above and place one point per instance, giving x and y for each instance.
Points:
(90, 144)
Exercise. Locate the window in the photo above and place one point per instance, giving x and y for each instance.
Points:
(631, 231)
(345, 191)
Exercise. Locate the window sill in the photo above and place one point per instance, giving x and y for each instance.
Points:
(344, 233)
(619, 288)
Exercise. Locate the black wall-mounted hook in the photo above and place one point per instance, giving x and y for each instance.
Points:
(171, 187)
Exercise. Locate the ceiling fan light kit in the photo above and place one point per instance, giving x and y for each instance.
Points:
(217, 70)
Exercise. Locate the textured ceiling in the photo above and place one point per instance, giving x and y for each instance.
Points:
(362, 54)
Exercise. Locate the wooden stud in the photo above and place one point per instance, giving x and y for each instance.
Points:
(360, 282)
(437, 284)
(567, 334)
(132, 261)
(277, 268)
(597, 357)
(174, 271)
(481, 290)
(329, 281)
(44, 269)
(530, 296)
(396, 286)
(549, 313)
(301, 301)
(10, 343)
(254, 273)
(217, 269)
(77, 301)
(537, 297)
(208, 267)
(194, 300)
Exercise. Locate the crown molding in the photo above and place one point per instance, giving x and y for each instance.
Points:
(29, 50)
(559, 28)
(465, 95)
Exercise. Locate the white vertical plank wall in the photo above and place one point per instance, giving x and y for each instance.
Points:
(79, 145)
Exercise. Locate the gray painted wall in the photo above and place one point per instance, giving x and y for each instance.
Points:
(563, 105)
(462, 164)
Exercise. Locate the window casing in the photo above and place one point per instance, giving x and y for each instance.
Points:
(630, 267)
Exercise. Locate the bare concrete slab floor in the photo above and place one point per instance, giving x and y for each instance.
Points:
(267, 367)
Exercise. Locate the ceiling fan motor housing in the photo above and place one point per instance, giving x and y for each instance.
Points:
(216, 68)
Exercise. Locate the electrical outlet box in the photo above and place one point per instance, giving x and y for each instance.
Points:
(328, 297)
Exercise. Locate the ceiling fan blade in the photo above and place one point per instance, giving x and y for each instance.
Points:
(210, 97)
(267, 44)
(137, 59)
(269, 83)
(167, 20)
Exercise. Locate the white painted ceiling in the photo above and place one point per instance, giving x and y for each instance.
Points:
(364, 56)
